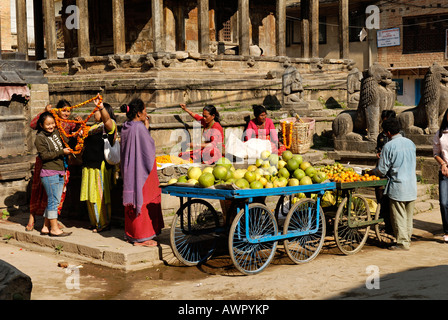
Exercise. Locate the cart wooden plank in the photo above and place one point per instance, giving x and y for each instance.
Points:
(361, 184)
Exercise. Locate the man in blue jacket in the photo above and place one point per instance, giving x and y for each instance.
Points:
(398, 163)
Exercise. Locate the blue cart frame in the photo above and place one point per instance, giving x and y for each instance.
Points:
(254, 234)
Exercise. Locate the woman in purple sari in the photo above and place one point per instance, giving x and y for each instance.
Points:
(141, 192)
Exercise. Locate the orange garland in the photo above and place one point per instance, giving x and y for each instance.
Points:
(83, 131)
(287, 145)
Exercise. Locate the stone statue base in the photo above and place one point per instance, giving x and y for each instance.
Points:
(296, 107)
(423, 143)
(357, 146)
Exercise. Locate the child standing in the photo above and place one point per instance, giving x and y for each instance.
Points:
(51, 151)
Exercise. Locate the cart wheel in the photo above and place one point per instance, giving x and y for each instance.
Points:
(380, 229)
(251, 258)
(350, 240)
(193, 232)
(301, 218)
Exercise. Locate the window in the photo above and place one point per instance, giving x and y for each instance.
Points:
(293, 32)
(356, 23)
(424, 33)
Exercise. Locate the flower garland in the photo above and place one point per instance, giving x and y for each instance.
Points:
(287, 145)
(83, 130)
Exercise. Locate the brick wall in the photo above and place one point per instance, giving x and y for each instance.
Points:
(7, 39)
(391, 16)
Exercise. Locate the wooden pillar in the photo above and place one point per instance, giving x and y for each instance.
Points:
(305, 28)
(243, 27)
(314, 24)
(119, 26)
(22, 33)
(83, 31)
(280, 27)
(203, 27)
(343, 30)
(180, 28)
(50, 29)
(157, 22)
(38, 30)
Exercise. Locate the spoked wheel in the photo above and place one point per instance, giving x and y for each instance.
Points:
(303, 218)
(251, 258)
(380, 228)
(349, 235)
(193, 232)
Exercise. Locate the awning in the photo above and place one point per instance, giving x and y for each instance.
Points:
(6, 92)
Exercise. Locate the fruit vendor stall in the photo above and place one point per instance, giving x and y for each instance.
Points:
(251, 228)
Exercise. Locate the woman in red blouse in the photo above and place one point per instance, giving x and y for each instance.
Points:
(210, 150)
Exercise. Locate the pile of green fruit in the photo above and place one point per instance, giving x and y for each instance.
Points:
(269, 171)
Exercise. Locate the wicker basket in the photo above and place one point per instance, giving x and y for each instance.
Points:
(302, 133)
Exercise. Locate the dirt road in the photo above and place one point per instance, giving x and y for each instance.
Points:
(373, 273)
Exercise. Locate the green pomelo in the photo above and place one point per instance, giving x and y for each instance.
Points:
(306, 180)
(206, 180)
(256, 185)
(239, 173)
(292, 164)
(283, 172)
(298, 174)
(265, 154)
(305, 165)
(194, 173)
(319, 177)
(293, 182)
(208, 169)
(273, 159)
(298, 158)
(286, 155)
(310, 171)
(250, 176)
(242, 183)
(224, 162)
(220, 172)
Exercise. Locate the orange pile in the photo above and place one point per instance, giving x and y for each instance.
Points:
(351, 176)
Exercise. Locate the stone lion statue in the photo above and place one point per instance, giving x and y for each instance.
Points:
(377, 94)
(426, 116)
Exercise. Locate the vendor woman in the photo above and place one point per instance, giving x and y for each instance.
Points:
(210, 150)
(262, 127)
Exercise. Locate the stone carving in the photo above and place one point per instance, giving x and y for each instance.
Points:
(111, 63)
(292, 87)
(377, 94)
(75, 66)
(353, 86)
(148, 63)
(251, 62)
(426, 116)
(210, 62)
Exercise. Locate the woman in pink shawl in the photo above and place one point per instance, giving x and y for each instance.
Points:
(141, 192)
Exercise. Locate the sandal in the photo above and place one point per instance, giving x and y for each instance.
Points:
(29, 227)
(148, 243)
